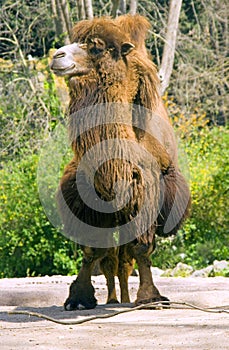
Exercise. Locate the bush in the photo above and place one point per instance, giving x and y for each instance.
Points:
(204, 237)
(29, 245)
(207, 230)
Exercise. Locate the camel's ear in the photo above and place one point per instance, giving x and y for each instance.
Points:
(126, 48)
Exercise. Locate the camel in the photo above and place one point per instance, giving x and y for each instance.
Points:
(125, 158)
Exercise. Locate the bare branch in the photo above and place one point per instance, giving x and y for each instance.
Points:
(24, 62)
(16, 43)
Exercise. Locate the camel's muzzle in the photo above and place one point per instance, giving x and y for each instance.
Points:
(70, 60)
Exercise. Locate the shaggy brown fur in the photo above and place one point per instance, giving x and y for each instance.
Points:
(110, 66)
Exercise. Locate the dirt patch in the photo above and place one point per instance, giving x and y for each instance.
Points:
(143, 329)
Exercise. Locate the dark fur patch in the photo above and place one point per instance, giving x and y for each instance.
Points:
(176, 202)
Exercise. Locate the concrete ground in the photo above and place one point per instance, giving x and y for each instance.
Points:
(178, 329)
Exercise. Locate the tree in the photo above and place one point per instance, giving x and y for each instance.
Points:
(62, 19)
(88, 9)
(133, 7)
(170, 44)
(81, 9)
(30, 23)
(120, 7)
(115, 6)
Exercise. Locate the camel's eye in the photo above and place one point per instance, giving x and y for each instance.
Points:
(95, 50)
(96, 46)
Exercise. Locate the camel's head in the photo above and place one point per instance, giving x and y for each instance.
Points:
(108, 58)
(77, 59)
(96, 41)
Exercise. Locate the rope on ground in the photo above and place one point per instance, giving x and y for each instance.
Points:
(159, 304)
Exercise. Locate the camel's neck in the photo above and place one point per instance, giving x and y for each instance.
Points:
(83, 94)
(102, 87)
(101, 122)
(103, 108)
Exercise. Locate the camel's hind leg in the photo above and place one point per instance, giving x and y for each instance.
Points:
(117, 262)
(109, 267)
(125, 268)
(147, 291)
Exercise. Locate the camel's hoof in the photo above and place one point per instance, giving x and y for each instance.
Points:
(71, 305)
(80, 297)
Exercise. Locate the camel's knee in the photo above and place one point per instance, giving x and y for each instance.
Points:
(141, 252)
(93, 254)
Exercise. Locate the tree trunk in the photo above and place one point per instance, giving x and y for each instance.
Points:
(122, 6)
(60, 18)
(170, 44)
(88, 9)
(65, 11)
(115, 6)
(81, 10)
(58, 24)
(133, 7)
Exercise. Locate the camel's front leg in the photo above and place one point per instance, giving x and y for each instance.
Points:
(147, 291)
(81, 294)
